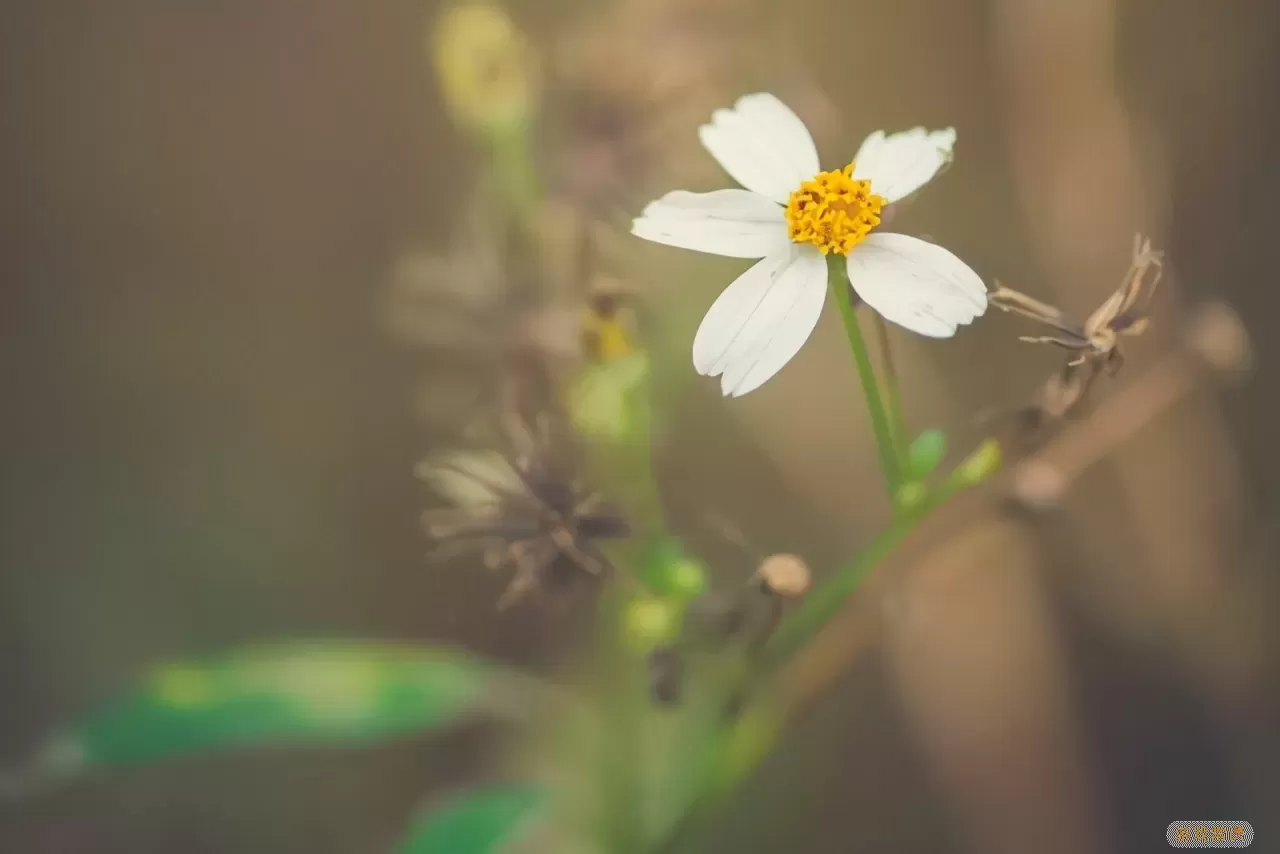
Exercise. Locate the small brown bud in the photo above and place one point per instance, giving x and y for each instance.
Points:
(785, 575)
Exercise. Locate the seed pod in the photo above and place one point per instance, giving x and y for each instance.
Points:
(784, 575)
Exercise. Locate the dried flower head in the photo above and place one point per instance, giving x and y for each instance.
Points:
(1094, 345)
(522, 509)
(1098, 338)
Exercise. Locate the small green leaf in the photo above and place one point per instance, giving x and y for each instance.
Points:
(305, 693)
(481, 821)
(925, 453)
(608, 401)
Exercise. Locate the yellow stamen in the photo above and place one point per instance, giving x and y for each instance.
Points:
(833, 211)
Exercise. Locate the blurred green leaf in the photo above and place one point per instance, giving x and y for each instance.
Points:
(649, 622)
(609, 400)
(302, 693)
(926, 451)
(478, 822)
(670, 571)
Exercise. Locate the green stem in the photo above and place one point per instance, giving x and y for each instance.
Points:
(516, 172)
(799, 627)
(897, 415)
(825, 602)
(838, 280)
(620, 762)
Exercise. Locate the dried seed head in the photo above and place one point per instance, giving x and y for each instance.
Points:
(521, 508)
(785, 575)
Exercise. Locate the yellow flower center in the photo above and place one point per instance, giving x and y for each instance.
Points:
(833, 211)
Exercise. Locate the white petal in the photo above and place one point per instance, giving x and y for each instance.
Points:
(730, 312)
(761, 320)
(900, 164)
(801, 291)
(916, 284)
(736, 223)
(762, 144)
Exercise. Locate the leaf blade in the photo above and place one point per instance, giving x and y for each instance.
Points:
(481, 821)
(294, 694)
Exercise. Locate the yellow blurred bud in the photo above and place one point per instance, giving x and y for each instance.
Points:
(649, 622)
(487, 69)
(982, 463)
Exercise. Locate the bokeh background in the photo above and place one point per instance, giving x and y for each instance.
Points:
(209, 436)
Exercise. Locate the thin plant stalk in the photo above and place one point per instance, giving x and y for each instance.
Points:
(838, 281)
(799, 627)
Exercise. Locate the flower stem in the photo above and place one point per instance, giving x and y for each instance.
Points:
(897, 416)
(838, 281)
(516, 172)
(798, 628)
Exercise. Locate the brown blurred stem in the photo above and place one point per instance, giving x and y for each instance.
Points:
(1215, 342)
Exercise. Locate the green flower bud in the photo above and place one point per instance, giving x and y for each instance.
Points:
(911, 494)
(686, 578)
(649, 622)
(669, 571)
(925, 453)
(981, 464)
(487, 70)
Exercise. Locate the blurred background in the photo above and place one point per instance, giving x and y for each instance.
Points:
(211, 431)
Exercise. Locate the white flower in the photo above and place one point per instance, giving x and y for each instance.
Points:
(791, 216)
